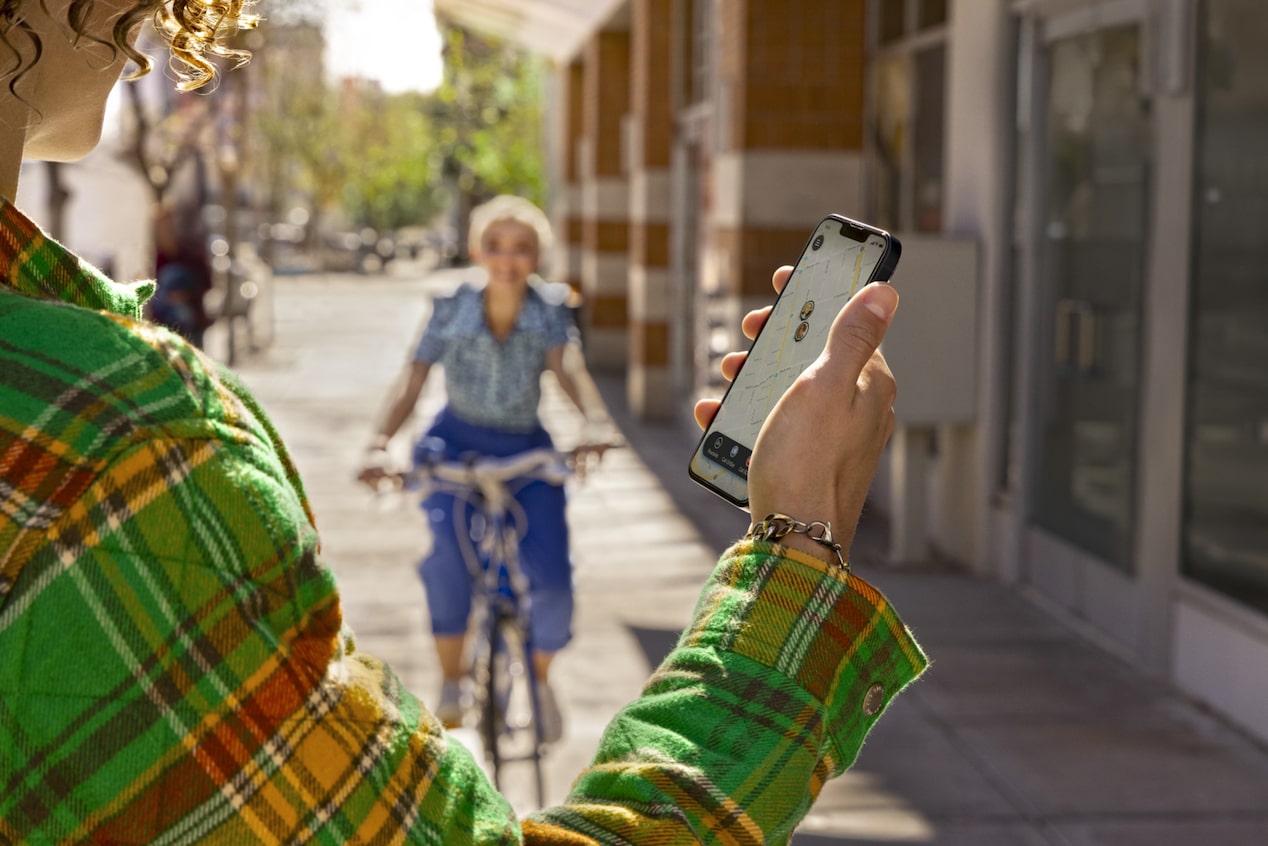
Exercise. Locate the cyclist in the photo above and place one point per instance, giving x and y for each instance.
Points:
(494, 342)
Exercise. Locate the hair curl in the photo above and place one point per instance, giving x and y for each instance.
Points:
(196, 31)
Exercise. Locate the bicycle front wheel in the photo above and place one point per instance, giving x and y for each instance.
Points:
(510, 724)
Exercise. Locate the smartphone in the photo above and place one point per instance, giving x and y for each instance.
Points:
(840, 257)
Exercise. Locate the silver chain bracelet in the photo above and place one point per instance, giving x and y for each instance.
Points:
(772, 527)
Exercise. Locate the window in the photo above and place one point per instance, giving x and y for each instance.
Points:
(1226, 462)
(893, 20)
(931, 13)
(907, 118)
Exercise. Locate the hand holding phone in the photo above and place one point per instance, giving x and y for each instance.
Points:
(840, 258)
(819, 448)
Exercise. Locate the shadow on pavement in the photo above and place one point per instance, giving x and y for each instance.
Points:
(655, 643)
(665, 447)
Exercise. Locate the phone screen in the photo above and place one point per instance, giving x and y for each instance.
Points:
(840, 258)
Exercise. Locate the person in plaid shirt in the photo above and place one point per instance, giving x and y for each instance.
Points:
(173, 664)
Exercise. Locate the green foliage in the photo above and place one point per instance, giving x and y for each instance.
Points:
(488, 114)
(395, 160)
(392, 176)
(297, 122)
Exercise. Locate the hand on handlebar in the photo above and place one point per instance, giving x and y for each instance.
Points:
(375, 470)
(589, 455)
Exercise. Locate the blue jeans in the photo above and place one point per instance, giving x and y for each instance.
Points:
(543, 550)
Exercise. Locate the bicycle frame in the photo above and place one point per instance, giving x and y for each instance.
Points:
(499, 627)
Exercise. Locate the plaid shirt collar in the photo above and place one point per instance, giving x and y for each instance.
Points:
(33, 264)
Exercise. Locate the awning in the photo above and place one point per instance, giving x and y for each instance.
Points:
(554, 28)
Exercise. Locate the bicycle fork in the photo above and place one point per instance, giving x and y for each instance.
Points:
(506, 676)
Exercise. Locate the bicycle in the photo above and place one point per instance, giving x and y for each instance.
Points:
(499, 647)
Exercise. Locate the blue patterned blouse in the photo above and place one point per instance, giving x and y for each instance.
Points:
(491, 382)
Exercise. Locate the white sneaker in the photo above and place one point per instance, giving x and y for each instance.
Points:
(552, 721)
(449, 708)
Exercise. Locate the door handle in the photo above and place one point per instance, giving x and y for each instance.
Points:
(1075, 342)
(1087, 338)
(1064, 328)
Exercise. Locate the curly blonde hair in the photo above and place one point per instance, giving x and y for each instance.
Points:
(196, 31)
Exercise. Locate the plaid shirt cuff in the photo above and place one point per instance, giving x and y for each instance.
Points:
(831, 633)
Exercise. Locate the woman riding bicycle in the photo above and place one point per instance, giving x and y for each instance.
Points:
(494, 341)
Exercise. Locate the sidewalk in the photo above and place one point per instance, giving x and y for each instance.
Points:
(1021, 733)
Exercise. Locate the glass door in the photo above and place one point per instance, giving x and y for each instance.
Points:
(1086, 191)
(1095, 188)
(1226, 470)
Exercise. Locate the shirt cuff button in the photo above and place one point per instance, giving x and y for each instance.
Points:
(873, 700)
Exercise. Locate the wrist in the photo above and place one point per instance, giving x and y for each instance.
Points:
(814, 538)
(807, 510)
(813, 502)
(803, 544)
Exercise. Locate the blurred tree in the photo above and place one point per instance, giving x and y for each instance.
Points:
(58, 199)
(289, 12)
(388, 161)
(298, 125)
(166, 134)
(392, 181)
(487, 119)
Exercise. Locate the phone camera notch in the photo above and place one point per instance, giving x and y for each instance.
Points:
(854, 233)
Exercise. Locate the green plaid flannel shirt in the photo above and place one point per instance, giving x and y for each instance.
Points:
(173, 667)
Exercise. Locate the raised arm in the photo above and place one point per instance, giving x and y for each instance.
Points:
(400, 405)
(568, 365)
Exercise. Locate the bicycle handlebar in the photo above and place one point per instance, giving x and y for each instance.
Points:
(489, 474)
(542, 463)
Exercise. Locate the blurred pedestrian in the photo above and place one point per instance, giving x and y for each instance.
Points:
(182, 273)
(173, 664)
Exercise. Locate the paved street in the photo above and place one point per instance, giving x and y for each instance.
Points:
(1021, 733)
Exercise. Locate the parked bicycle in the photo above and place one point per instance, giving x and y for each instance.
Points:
(498, 658)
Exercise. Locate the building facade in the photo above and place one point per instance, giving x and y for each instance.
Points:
(1082, 347)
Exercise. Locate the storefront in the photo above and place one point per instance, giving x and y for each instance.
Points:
(1134, 461)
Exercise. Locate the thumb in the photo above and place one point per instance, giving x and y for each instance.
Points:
(860, 327)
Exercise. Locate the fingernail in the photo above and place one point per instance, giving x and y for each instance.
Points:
(881, 299)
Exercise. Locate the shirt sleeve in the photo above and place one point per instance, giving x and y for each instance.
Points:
(785, 667)
(561, 326)
(431, 343)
